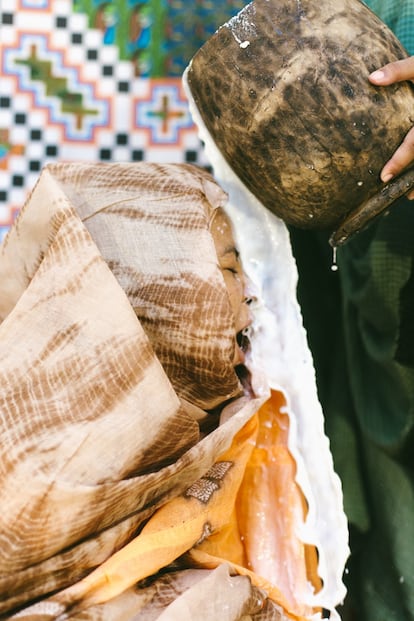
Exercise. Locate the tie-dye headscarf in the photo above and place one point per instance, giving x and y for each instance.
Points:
(141, 479)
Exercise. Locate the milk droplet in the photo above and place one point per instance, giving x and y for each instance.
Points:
(334, 266)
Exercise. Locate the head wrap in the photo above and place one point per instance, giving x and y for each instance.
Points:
(114, 315)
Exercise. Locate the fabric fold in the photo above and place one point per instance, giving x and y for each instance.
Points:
(94, 436)
(141, 439)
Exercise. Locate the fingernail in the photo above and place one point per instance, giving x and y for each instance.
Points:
(377, 75)
(387, 177)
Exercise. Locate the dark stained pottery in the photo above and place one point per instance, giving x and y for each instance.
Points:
(283, 90)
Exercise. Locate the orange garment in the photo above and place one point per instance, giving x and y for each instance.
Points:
(247, 503)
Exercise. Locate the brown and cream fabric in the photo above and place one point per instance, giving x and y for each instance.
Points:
(152, 229)
(96, 429)
(139, 479)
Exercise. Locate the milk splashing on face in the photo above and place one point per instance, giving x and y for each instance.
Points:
(280, 359)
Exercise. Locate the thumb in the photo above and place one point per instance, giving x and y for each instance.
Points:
(397, 71)
(402, 157)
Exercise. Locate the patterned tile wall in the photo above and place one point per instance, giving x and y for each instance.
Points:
(92, 80)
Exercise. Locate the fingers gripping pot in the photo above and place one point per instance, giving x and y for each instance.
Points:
(283, 90)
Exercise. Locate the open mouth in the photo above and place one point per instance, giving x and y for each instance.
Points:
(244, 376)
(243, 340)
(242, 371)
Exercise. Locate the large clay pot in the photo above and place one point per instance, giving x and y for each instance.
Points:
(283, 90)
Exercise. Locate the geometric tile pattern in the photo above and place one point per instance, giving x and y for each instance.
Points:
(69, 91)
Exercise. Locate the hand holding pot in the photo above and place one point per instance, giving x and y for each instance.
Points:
(282, 91)
(391, 73)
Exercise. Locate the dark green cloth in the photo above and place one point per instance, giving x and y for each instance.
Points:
(360, 323)
(399, 16)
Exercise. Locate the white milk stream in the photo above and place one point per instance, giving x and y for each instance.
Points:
(280, 359)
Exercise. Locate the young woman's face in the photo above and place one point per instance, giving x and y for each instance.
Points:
(228, 257)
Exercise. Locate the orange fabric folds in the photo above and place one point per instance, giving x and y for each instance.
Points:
(240, 513)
